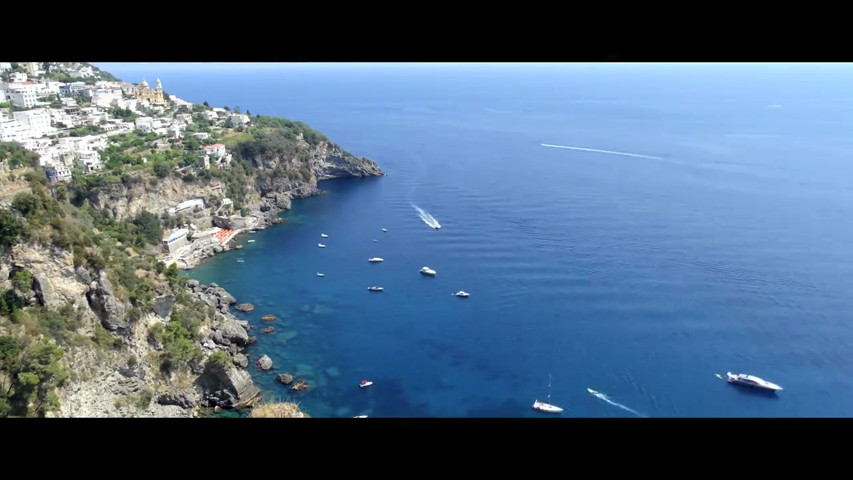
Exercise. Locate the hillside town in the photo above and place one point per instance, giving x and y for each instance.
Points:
(79, 120)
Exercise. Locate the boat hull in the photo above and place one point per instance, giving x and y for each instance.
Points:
(546, 407)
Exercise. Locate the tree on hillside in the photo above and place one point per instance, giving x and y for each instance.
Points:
(149, 227)
(10, 228)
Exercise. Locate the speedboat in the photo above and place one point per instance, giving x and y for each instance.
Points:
(250, 241)
(751, 381)
(240, 260)
(546, 407)
(320, 245)
(365, 383)
(384, 230)
(375, 260)
(324, 235)
(360, 416)
(321, 274)
(462, 294)
(428, 271)
(437, 227)
(375, 289)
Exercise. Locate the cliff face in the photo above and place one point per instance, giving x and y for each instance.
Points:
(274, 180)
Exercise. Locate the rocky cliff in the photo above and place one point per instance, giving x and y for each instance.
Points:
(272, 180)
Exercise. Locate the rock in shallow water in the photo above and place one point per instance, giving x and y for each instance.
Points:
(285, 378)
(264, 363)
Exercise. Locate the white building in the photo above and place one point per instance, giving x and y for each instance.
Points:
(176, 130)
(57, 173)
(207, 114)
(216, 150)
(2, 94)
(90, 160)
(201, 135)
(38, 121)
(23, 94)
(239, 118)
(175, 239)
(17, 77)
(144, 124)
(184, 117)
(13, 131)
(187, 205)
(83, 72)
(5, 66)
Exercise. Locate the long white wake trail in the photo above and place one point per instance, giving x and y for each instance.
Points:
(601, 151)
(427, 218)
(607, 399)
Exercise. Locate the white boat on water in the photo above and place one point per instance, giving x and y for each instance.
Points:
(384, 230)
(360, 416)
(321, 274)
(320, 245)
(240, 260)
(546, 406)
(375, 289)
(428, 271)
(462, 294)
(365, 383)
(250, 241)
(324, 235)
(375, 260)
(752, 381)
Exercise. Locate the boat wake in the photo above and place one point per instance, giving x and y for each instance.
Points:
(601, 151)
(427, 218)
(607, 399)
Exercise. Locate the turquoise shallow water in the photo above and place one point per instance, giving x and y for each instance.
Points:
(637, 277)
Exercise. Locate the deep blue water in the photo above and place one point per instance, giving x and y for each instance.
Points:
(638, 277)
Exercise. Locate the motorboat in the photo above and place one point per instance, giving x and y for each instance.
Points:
(384, 229)
(375, 260)
(428, 271)
(751, 381)
(360, 416)
(437, 227)
(321, 274)
(365, 383)
(323, 235)
(462, 294)
(546, 406)
(320, 245)
(250, 241)
(240, 260)
(375, 289)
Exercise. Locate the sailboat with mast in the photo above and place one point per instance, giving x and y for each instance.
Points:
(546, 406)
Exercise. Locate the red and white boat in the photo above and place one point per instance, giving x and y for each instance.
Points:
(365, 383)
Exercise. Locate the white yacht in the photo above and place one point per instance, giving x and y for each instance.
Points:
(323, 235)
(751, 381)
(384, 230)
(375, 260)
(462, 294)
(321, 274)
(320, 245)
(428, 271)
(374, 288)
(546, 406)
(365, 383)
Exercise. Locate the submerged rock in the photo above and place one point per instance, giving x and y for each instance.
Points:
(245, 307)
(284, 378)
(268, 330)
(268, 318)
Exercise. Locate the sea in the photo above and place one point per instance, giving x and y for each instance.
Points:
(627, 233)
